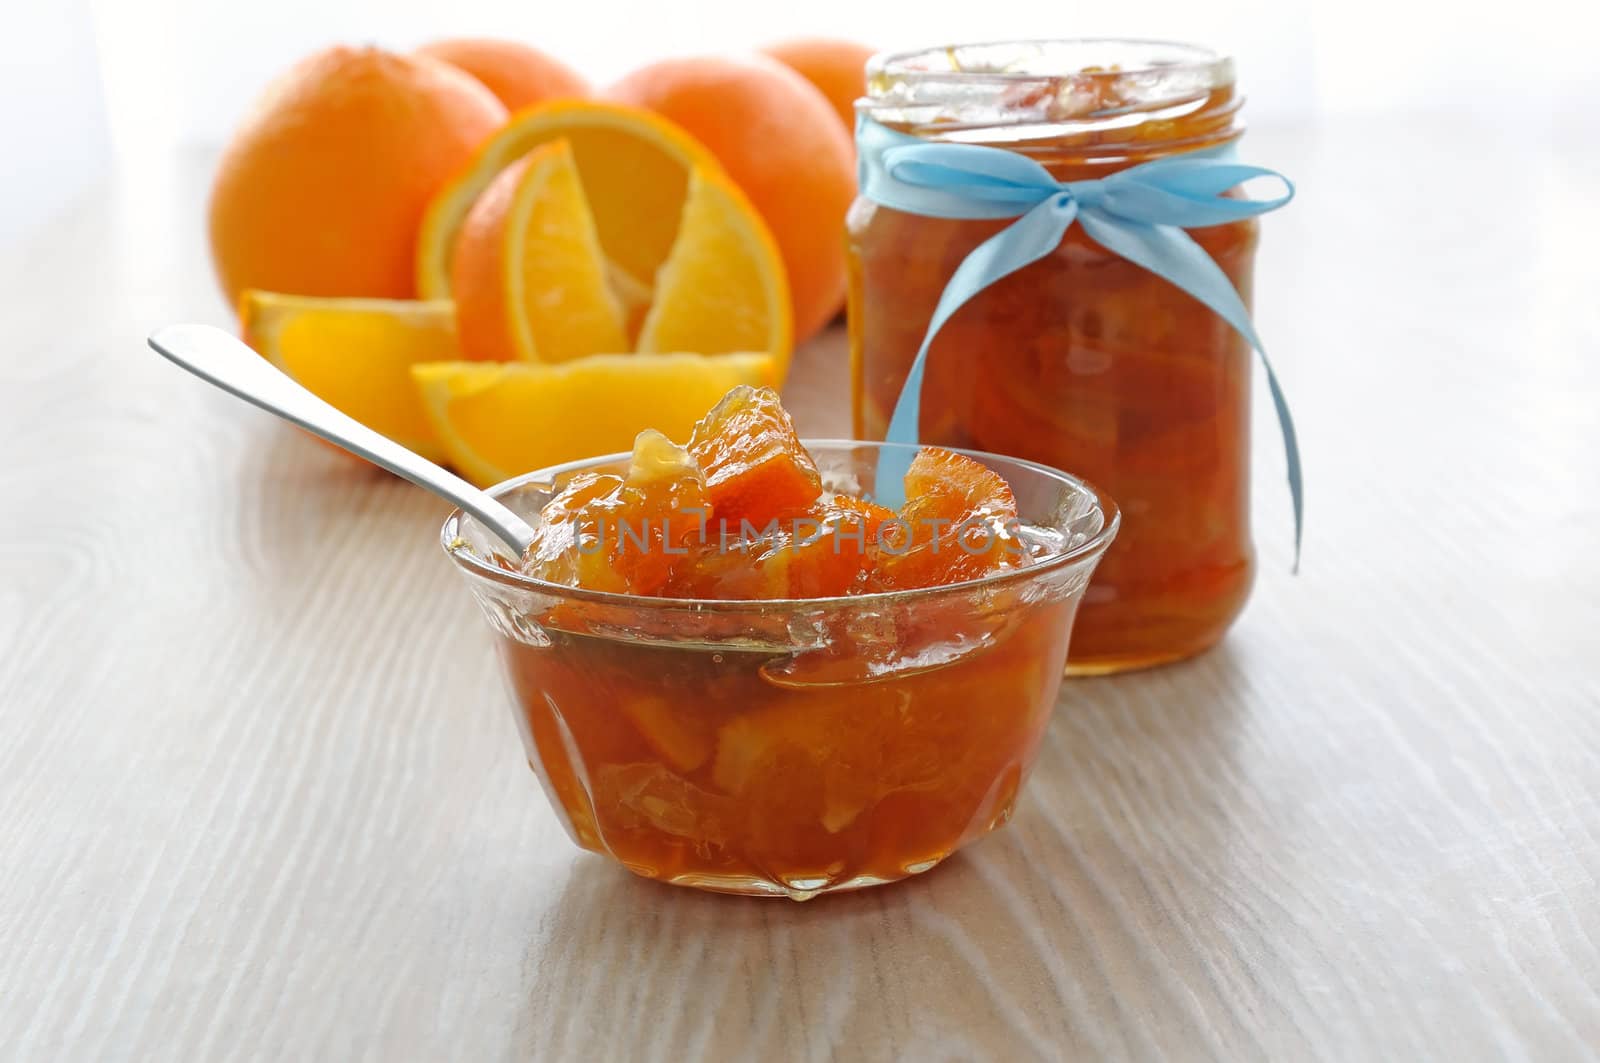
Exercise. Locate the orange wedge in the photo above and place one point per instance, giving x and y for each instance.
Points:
(500, 420)
(356, 354)
(528, 276)
(685, 258)
(722, 286)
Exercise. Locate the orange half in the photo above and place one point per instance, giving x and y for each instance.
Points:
(634, 167)
(611, 228)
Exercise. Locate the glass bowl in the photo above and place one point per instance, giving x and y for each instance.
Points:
(789, 747)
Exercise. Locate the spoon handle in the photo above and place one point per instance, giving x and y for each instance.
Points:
(214, 356)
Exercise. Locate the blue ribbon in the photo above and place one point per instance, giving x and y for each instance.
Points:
(1139, 213)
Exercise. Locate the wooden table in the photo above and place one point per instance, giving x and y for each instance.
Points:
(261, 797)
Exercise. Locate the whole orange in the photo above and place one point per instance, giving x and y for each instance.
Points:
(837, 68)
(322, 189)
(781, 142)
(518, 74)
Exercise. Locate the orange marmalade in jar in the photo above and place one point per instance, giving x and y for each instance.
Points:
(1082, 360)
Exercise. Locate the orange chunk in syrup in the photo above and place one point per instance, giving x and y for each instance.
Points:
(833, 547)
(569, 519)
(623, 534)
(958, 523)
(740, 514)
(824, 552)
(755, 468)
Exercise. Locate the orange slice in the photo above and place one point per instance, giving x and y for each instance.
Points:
(528, 275)
(498, 421)
(356, 354)
(722, 287)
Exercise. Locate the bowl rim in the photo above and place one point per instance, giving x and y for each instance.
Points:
(474, 564)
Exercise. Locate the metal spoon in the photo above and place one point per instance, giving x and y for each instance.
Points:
(216, 357)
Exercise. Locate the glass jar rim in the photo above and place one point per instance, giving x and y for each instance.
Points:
(1081, 81)
(475, 564)
(948, 61)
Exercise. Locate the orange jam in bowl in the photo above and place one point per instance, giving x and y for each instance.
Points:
(788, 746)
(1082, 360)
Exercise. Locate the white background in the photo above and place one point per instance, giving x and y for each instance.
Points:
(88, 84)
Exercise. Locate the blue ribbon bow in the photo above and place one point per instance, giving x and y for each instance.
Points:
(1139, 213)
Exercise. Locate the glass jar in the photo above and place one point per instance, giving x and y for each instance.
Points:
(1082, 360)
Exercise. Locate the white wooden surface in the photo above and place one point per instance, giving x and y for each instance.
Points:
(260, 795)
